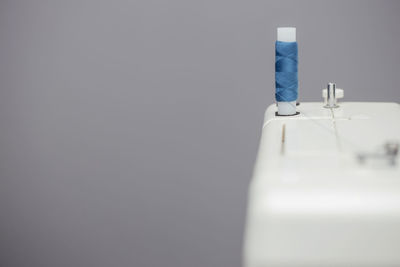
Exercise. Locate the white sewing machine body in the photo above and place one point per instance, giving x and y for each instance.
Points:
(322, 193)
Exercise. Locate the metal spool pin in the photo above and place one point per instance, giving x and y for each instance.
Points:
(331, 96)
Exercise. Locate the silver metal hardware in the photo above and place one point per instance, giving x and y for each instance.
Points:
(388, 153)
(331, 96)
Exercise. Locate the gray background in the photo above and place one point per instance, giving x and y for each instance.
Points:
(128, 129)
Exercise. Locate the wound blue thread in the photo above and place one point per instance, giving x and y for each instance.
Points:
(286, 81)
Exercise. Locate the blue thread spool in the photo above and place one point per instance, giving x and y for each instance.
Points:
(286, 81)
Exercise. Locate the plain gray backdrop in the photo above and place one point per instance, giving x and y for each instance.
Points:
(129, 129)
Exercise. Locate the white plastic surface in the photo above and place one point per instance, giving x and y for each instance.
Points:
(311, 202)
(287, 108)
(286, 34)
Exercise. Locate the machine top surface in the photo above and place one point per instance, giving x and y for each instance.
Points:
(351, 138)
(326, 188)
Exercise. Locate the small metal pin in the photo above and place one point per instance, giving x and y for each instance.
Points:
(331, 96)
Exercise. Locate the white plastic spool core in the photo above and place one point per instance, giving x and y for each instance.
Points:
(286, 34)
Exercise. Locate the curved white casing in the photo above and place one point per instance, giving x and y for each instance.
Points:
(286, 34)
(312, 202)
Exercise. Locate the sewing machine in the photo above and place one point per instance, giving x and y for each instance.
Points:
(326, 186)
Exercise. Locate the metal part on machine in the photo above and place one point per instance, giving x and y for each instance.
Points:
(388, 153)
(331, 94)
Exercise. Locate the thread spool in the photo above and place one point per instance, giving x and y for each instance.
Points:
(285, 102)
